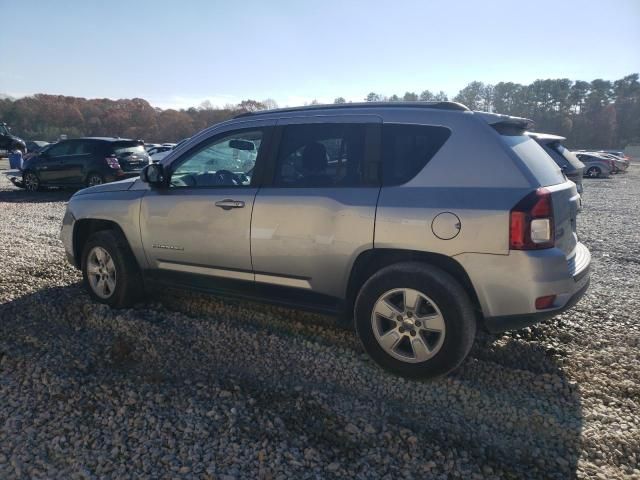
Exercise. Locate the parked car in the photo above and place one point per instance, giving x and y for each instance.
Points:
(621, 163)
(84, 162)
(149, 146)
(158, 153)
(617, 153)
(9, 142)
(162, 151)
(595, 166)
(565, 159)
(388, 214)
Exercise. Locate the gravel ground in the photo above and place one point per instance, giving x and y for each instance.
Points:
(198, 387)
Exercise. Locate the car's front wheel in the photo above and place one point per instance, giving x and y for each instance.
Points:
(415, 320)
(31, 181)
(110, 272)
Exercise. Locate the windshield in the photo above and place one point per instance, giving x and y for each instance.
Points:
(4, 130)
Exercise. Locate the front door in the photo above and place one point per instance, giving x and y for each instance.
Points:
(50, 166)
(197, 230)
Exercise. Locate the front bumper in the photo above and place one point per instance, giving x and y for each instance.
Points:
(507, 286)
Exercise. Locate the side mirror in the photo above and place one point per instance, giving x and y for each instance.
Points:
(153, 174)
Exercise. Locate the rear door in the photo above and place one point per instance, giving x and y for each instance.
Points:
(50, 166)
(317, 212)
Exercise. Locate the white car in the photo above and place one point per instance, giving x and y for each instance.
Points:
(159, 152)
(149, 146)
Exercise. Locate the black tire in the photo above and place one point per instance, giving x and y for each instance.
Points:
(453, 302)
(128, 279)
(31, 181)
(94, 179)
(594, 172)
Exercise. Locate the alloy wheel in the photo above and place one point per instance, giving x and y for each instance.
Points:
(31, 182)
(95, 180)
(101, 272)
(408, 325)
(593, 172)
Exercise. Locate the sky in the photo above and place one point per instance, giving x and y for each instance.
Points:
(178, 54)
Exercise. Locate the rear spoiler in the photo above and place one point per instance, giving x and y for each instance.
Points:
(506, 124)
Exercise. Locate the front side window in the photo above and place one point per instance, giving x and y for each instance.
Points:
(325, 155)
(228, 161)
(406, 149)
(59, 149)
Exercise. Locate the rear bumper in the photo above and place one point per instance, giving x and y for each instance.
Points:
(507, 286)
(515, 322)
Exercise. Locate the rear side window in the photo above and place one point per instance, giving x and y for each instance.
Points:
(327, 155)
(539, 163)
(406, 149)
(83, 148)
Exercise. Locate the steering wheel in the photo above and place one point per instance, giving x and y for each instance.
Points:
(225, 177)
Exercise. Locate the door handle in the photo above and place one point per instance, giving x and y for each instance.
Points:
(228, 204)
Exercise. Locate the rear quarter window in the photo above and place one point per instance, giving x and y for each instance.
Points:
(539, 163)
(406, 150)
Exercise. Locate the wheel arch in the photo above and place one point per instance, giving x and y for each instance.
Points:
(84, 228)
(370, 261)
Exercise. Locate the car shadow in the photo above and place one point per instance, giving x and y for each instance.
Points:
(19, 195)
(509, 407)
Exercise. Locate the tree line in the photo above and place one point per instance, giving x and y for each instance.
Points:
(596, 114)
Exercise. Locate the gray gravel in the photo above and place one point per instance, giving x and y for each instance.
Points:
(198, 387)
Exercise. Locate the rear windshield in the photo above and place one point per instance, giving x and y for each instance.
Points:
(128, 148)
(540, 164)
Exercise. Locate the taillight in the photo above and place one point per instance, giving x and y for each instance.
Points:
(531, 222)
(113, 162)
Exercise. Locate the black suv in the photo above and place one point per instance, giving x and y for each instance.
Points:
(9, 142)
(84, 162)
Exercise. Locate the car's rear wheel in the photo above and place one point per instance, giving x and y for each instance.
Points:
(94, 179)
(594, 172)
(415, 320)
(31, 181)
(110, 272)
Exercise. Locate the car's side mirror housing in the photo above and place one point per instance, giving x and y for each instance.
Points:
(154, 175)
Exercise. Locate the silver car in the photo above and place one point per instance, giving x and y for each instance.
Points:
(417, 222)
(595, 166)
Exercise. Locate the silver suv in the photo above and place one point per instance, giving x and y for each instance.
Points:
(415, 221)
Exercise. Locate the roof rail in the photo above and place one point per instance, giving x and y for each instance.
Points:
(336, 106)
